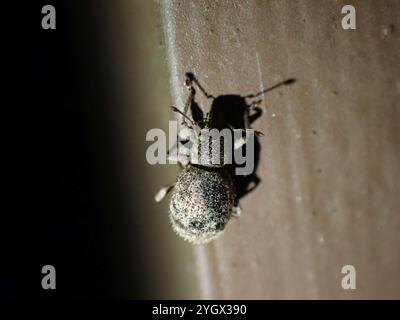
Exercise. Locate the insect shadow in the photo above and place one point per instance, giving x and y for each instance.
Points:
(235, 111)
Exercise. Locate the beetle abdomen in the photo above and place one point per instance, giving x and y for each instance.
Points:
(201, 203)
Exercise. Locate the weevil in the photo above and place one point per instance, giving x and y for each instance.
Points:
(204, 197)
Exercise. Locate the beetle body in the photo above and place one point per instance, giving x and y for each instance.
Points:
(204, 194)
(201, 203)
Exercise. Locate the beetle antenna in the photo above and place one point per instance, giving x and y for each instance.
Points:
(191, 78)
(283, 83)
(175, 109)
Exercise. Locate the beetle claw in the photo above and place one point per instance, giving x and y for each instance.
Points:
(259, 133)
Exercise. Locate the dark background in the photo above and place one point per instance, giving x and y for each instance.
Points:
(64, 202)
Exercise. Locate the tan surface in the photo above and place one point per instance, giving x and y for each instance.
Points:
(330, 159)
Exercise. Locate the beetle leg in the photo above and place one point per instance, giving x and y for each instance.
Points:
(243, 140)
(253, 183)
(236, 211)
(240, 142)
(189, 100)
(254, 104)
(256, 113)
(181, 158)
(248, 119)
(163, 192)
(174, 156)
(190, 78)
